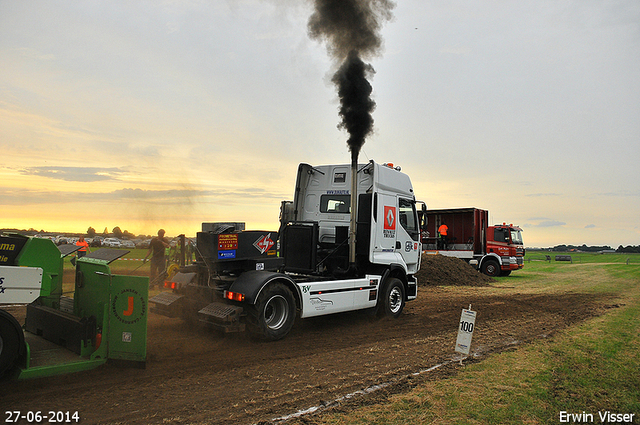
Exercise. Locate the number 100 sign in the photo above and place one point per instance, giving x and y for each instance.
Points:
(465, 331)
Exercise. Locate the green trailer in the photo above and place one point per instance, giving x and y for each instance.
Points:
(105, 320)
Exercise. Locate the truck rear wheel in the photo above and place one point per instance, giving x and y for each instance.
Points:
(392, 298)
(9, 342)
(272, 316)
(491, 268)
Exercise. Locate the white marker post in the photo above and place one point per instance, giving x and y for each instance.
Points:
(465, 331)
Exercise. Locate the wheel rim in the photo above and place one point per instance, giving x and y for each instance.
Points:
(276, 312)
(491, 269)
(395, 300)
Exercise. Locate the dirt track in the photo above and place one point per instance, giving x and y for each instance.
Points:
(195, 376)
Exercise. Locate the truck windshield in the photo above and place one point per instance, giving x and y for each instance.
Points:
(516, 237)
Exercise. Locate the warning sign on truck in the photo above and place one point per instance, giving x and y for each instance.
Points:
(227, 242)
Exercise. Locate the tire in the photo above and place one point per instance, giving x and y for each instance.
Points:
(393, 299)
(9, 342)
(272, 317)
(491, 268)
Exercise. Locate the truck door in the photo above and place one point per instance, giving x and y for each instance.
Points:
(384, 232)
(396, 233)
(409, 234)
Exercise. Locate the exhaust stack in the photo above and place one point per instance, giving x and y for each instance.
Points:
(352, 217)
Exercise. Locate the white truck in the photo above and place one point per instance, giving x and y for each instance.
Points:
(344, 244)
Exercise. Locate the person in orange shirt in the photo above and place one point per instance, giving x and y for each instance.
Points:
(84, 247)
(442, 230)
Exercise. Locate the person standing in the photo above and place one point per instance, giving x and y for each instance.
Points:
(442, 230)
(84, 247)
(157, 248)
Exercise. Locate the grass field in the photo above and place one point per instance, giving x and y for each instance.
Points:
(588, 370)
(125, 264)
(584, 257)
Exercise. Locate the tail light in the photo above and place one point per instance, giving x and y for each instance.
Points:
(233, 296)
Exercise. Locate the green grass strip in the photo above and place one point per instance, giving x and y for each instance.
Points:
(587, 371)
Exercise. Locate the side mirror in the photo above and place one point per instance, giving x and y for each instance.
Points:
(422, 216)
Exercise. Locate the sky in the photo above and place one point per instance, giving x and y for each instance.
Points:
(167, 114)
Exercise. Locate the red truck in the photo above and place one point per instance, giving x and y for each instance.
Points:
(494, 250)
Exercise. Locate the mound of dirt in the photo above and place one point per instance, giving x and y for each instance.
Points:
(441, 270)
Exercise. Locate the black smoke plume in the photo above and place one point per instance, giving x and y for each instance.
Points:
(356, 105)
(351, 29)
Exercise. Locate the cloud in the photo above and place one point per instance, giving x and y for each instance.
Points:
(550, 223)
(169, 97)
(620, 194)
(590, 226)
(543, 194)
(35, 54)
(165, 197)
(456, 50)
(543, 222)
(75, 174)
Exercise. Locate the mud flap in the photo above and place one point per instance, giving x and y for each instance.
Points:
(167, 304)
(225, 317)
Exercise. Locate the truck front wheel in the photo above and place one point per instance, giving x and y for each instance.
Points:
(392, 298)
(491, 268)
(272, 316)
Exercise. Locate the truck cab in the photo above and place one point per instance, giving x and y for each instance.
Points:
(505, 240)
(387, 226)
